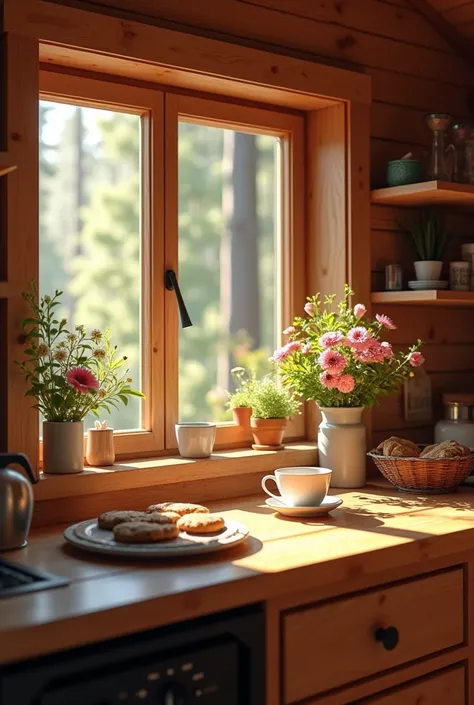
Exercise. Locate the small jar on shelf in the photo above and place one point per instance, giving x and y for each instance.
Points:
(458, 422)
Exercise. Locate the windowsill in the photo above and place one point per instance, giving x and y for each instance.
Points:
(163, 471)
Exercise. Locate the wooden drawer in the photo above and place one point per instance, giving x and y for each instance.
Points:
(331, 644)
(446, 687)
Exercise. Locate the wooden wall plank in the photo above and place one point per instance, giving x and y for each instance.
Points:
(460, 14)
(330, 41)
(22, 228)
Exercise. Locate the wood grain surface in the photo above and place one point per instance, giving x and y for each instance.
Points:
(377, 530)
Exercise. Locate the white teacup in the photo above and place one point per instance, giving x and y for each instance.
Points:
(300, 487)
(195, 440)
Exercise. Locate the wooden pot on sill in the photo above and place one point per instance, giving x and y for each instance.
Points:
(268, 433)
(100, 447)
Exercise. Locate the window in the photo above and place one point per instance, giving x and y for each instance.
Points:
(90, 227)
(136, 181)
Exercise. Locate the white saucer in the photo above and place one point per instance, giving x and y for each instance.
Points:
(328, 503)
(427, 285)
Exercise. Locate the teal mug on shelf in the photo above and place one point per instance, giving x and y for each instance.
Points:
(404, 171)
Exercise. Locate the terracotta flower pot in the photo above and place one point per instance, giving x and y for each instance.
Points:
(268, 433)
(242, 415)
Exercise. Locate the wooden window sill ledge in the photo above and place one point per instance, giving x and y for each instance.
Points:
(163, 471)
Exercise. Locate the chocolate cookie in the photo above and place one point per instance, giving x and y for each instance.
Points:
(201, 523)
(144, 532)
(108, 520)
(180, 508)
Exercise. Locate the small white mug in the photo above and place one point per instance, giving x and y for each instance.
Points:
(195, 440)
(300, 487)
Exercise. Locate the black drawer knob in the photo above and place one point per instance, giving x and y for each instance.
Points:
(389, 637)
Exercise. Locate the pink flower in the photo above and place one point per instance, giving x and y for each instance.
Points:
(416, 359)
(387, 350)
(359, 311)
(329, 340)
(345, 383)
(358, 336)
(289, 331)
(328, 380)
(82, 380)
(309, 308)
(306, 349)
(332, 361)
(282, 353)
(385, 321)
(372, 352)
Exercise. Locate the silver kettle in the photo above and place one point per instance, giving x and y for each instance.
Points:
(16, 501)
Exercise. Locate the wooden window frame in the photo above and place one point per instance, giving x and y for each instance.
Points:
(290, 242)
(336, 105)
(149, 105)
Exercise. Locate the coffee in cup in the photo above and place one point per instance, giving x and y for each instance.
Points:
(300, 487)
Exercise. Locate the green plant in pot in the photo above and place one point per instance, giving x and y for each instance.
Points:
(429, 237)
(272, 405)
(70, 373)
(239, 401)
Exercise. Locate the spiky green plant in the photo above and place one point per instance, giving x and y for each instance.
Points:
(428, 235)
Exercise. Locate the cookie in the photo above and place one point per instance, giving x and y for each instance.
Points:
(108, 520)
(201, 523)
(160, 517)
(180, 508)
(144, 532)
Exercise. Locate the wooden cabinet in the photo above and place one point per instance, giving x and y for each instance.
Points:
(446, 687)
(338, 642)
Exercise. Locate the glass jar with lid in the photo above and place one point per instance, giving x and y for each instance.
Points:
(458, 422)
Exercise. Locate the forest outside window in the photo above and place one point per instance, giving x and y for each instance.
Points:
(137, 181)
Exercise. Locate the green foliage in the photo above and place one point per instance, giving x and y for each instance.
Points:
(244, 383)
(53, 351)
(369, 371)
(428, 235)
(269, 400)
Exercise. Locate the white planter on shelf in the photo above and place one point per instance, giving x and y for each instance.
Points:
(428, 270)
(63, 447)
(342, 445)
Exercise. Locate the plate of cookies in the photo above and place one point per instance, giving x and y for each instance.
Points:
(167, 529)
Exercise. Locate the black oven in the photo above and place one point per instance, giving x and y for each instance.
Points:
(215, 660)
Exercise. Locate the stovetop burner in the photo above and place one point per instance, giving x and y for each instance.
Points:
(16, 580)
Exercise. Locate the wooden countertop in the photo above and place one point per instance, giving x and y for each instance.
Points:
(376, 529)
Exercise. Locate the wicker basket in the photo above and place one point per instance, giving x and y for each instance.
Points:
(429, 475)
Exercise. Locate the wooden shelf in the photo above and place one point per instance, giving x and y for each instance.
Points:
(427, 193)
(5, 164)
(424, 298)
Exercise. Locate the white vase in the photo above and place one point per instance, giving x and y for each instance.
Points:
(342, 446)
(63, 447)
(428, 270)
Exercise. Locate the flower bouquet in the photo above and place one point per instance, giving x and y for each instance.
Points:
(70, 374)
(340, 360)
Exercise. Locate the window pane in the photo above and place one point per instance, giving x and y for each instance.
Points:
(90, 227)
(228, 235)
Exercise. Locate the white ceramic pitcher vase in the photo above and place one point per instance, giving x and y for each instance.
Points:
(342, 445)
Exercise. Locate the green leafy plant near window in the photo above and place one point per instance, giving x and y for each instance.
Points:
(269, 400)
(428, 235)
(244, 382)
(70, 373)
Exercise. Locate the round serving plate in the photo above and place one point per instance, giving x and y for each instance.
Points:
(88, 536)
